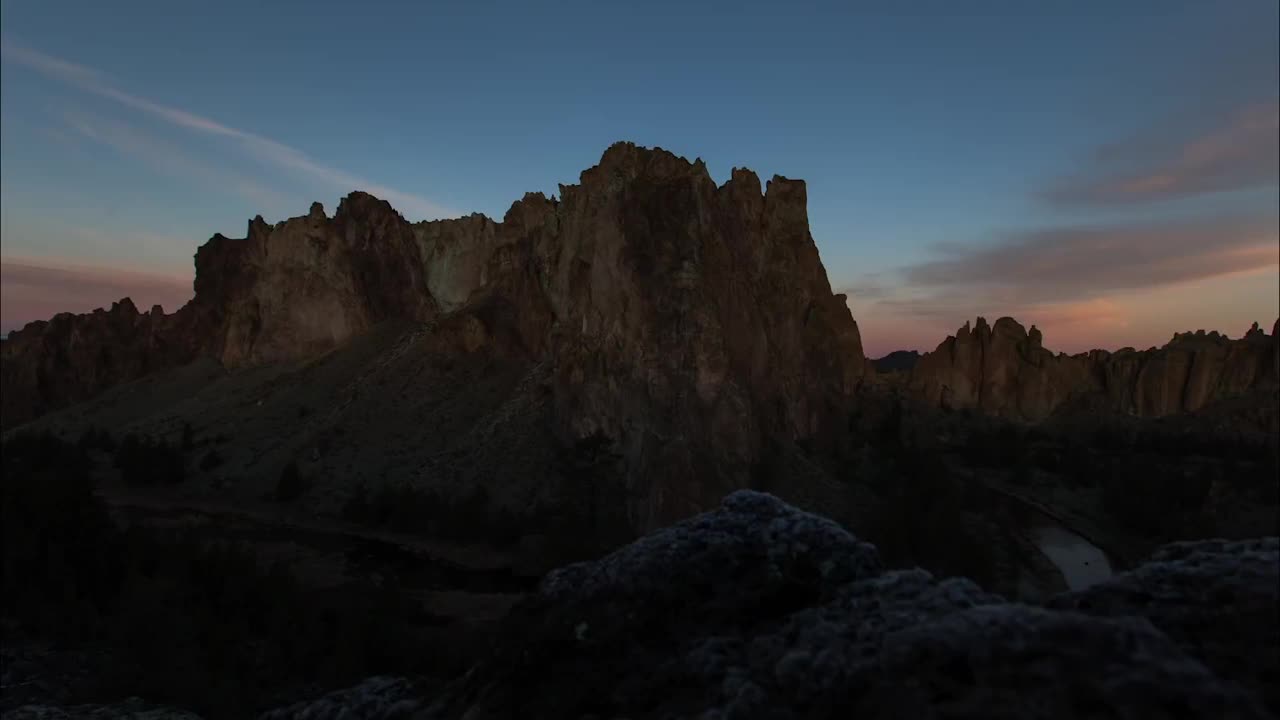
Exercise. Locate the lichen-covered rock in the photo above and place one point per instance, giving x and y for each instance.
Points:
(377, 698)
(1219, 600)
(131, 709)
(759, 610)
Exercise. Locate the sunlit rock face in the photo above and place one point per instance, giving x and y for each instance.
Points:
(684, 321)
(1004, 370)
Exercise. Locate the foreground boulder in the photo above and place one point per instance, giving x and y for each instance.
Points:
(387, 698)
(759, 610)
(1216, 599)
(131, 709)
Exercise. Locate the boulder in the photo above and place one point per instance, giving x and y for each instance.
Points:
(759, 610)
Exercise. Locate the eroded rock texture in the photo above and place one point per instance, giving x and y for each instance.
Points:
(686, 322)
(385, 698)
(1003, 369)
(1216, 599)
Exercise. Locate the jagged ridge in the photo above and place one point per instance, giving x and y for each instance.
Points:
(684, 321)
(1005, 370)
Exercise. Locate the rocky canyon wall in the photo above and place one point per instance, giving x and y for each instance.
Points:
(1003, 369)
(686, 322)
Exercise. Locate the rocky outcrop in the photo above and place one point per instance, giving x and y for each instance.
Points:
(385, 698)
(898, 360)
(759, 610)
(685, 322)
(1216, 599)
(71, 358)
(131, 709)
(1004, 370)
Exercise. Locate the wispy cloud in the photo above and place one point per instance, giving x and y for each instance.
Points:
(279, 154)
(35, 289)
(170, 159)
(1081, 285)
(1239, 153)
(1076, 263)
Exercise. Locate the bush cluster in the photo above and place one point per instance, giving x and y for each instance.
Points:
(185, 620)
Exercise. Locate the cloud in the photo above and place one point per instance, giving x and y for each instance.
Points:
(1239, 153)
(170, 159)
(1074, 263)
(39, 289)
(1084, 286)
(284, 156)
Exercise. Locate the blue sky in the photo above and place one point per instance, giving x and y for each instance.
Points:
(934, 140)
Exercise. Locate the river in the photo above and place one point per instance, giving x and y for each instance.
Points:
(1081, 562)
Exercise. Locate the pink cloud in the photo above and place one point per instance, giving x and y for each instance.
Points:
(1239, 153)
(1074, 263)
(39, 289)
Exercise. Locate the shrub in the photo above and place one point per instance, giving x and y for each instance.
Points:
(95, 438)
(291, 485)
(146, 463)
(57, 537)
(1157, 500)
(404, 508)
(184, 621)
(924, 520)
(210, 460)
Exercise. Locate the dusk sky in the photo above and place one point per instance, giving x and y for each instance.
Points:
(1104, 170)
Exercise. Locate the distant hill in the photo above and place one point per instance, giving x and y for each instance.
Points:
(896, 361)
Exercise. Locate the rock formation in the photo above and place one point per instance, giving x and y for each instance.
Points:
(759, 610)
(1004, 370)
(685, 322)
(131, 709)
(71, 358)
(1212, 597)
(898, 360)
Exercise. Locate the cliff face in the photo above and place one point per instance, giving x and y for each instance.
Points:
(1004, 370)
(71, 358)
(685, 322)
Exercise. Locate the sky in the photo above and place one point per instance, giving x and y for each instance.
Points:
(1106, 171)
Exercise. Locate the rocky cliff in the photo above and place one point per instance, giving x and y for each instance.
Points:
(685, 322)
(1004, 369)
(896, 361)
